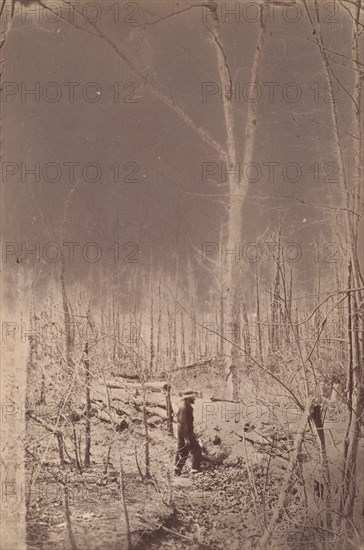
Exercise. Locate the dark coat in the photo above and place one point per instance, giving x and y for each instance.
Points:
(185, 419)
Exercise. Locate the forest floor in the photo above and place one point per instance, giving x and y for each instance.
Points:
(227, 504)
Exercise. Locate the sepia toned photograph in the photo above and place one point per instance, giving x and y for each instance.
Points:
(182, 278)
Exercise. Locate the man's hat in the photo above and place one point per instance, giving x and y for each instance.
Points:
(188, 393)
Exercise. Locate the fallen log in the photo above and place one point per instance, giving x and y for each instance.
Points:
(154, 411)
(122, 418)
(194, 365)
(215, 399)
(151, 386)
(126, 376)
(102, 406)
(120, 423)
(139, 405)
(265, 448)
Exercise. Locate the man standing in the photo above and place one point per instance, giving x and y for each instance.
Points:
(186, 439)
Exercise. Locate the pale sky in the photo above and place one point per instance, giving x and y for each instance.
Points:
(169, 210)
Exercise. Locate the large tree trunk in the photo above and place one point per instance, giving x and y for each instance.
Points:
(353, 193)
(13, 398)
(237, 187)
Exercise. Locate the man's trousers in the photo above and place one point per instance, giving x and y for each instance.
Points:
(184, 449)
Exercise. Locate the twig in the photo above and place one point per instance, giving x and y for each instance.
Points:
(137, 463)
